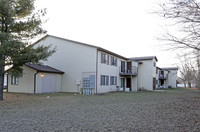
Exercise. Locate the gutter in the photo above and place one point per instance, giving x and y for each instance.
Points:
(96, 69)
(35, 82)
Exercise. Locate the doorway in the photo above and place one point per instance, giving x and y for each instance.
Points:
(128, 83)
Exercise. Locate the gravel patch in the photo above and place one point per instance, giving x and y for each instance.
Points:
(171, 110)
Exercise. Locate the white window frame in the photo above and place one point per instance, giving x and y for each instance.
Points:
(14, 80)
(113, 61)
(104, 80)
(105, 58)
(113, 80)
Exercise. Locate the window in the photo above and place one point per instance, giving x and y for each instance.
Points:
(154, 64)
(104, 80)
(113, 80)
(105, 58)
(113, 61)
(14, 80)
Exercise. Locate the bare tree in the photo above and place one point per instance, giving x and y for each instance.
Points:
(187, 71)
(186, 18)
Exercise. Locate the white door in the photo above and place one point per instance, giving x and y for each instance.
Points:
(48, 84)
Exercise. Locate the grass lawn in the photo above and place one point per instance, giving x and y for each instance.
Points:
(169, 110)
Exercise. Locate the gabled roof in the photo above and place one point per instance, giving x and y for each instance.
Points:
(98, 48)
(169, 68)
(44, 68)
(143, 58)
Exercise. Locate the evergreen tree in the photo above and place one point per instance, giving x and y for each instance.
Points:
(19, 23)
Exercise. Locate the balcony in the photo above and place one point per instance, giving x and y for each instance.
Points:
(130, 72)
(163, 77)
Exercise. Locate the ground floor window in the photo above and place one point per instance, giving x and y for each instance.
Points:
(14, 80)
(104, 80)
(113, 80)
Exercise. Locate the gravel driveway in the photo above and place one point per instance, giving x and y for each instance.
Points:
(171, 110)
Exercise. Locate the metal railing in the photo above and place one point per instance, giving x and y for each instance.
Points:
(163, 76)
(131, 71)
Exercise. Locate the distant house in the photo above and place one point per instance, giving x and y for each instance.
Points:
(77, 66)
(166, 77)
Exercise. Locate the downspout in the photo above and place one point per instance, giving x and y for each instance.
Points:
(7, 83)
(96, 69)
(137, 76)
(35, 81)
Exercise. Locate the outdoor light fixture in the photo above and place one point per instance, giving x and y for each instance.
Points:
(42, 75)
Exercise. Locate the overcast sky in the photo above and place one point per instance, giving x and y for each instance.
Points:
(125, 27)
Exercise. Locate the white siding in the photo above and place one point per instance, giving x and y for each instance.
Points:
(146, 73)
(135, 78)
(109, 70)
(172, 77)
(71, 58)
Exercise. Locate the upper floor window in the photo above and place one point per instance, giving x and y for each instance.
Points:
(104, 80)
(154, 64)
(113, 80)
(105, 58)
(14, 80)
(113, 61)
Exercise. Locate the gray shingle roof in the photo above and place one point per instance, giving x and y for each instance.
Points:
(143, 58)
(44, 68)
(169, 68)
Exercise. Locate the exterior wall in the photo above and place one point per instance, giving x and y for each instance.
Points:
(71, 58)
(157, 78)
(172, 77)
(26, 82)
(170, 81)
(146, 73)
(40, 81)
(109, 70)
(135, 78)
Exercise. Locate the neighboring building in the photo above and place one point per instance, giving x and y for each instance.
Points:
(36, 79)
(146, 72)
(80, 65)
(166, 77)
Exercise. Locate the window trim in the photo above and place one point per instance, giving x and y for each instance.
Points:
(113, 61)
(14, 80)
(104, 80)
(105, 58)
(113, 80)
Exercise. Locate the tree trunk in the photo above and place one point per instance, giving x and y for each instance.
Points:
(198, 75)
(2, 70)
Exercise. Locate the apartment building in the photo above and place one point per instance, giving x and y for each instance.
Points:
(77, 66)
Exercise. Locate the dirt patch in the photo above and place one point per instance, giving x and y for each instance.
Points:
(193, 88)
(172, 110)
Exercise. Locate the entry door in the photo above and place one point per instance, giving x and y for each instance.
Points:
(154, 83)
(48, 84)
(123, 66)
(129, 67)
(128, 83)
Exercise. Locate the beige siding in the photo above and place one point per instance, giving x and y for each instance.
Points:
(71, 58)
(26, 82)
(39, 81)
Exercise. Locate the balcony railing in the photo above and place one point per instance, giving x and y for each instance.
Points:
(128, 72)
(163, 77)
